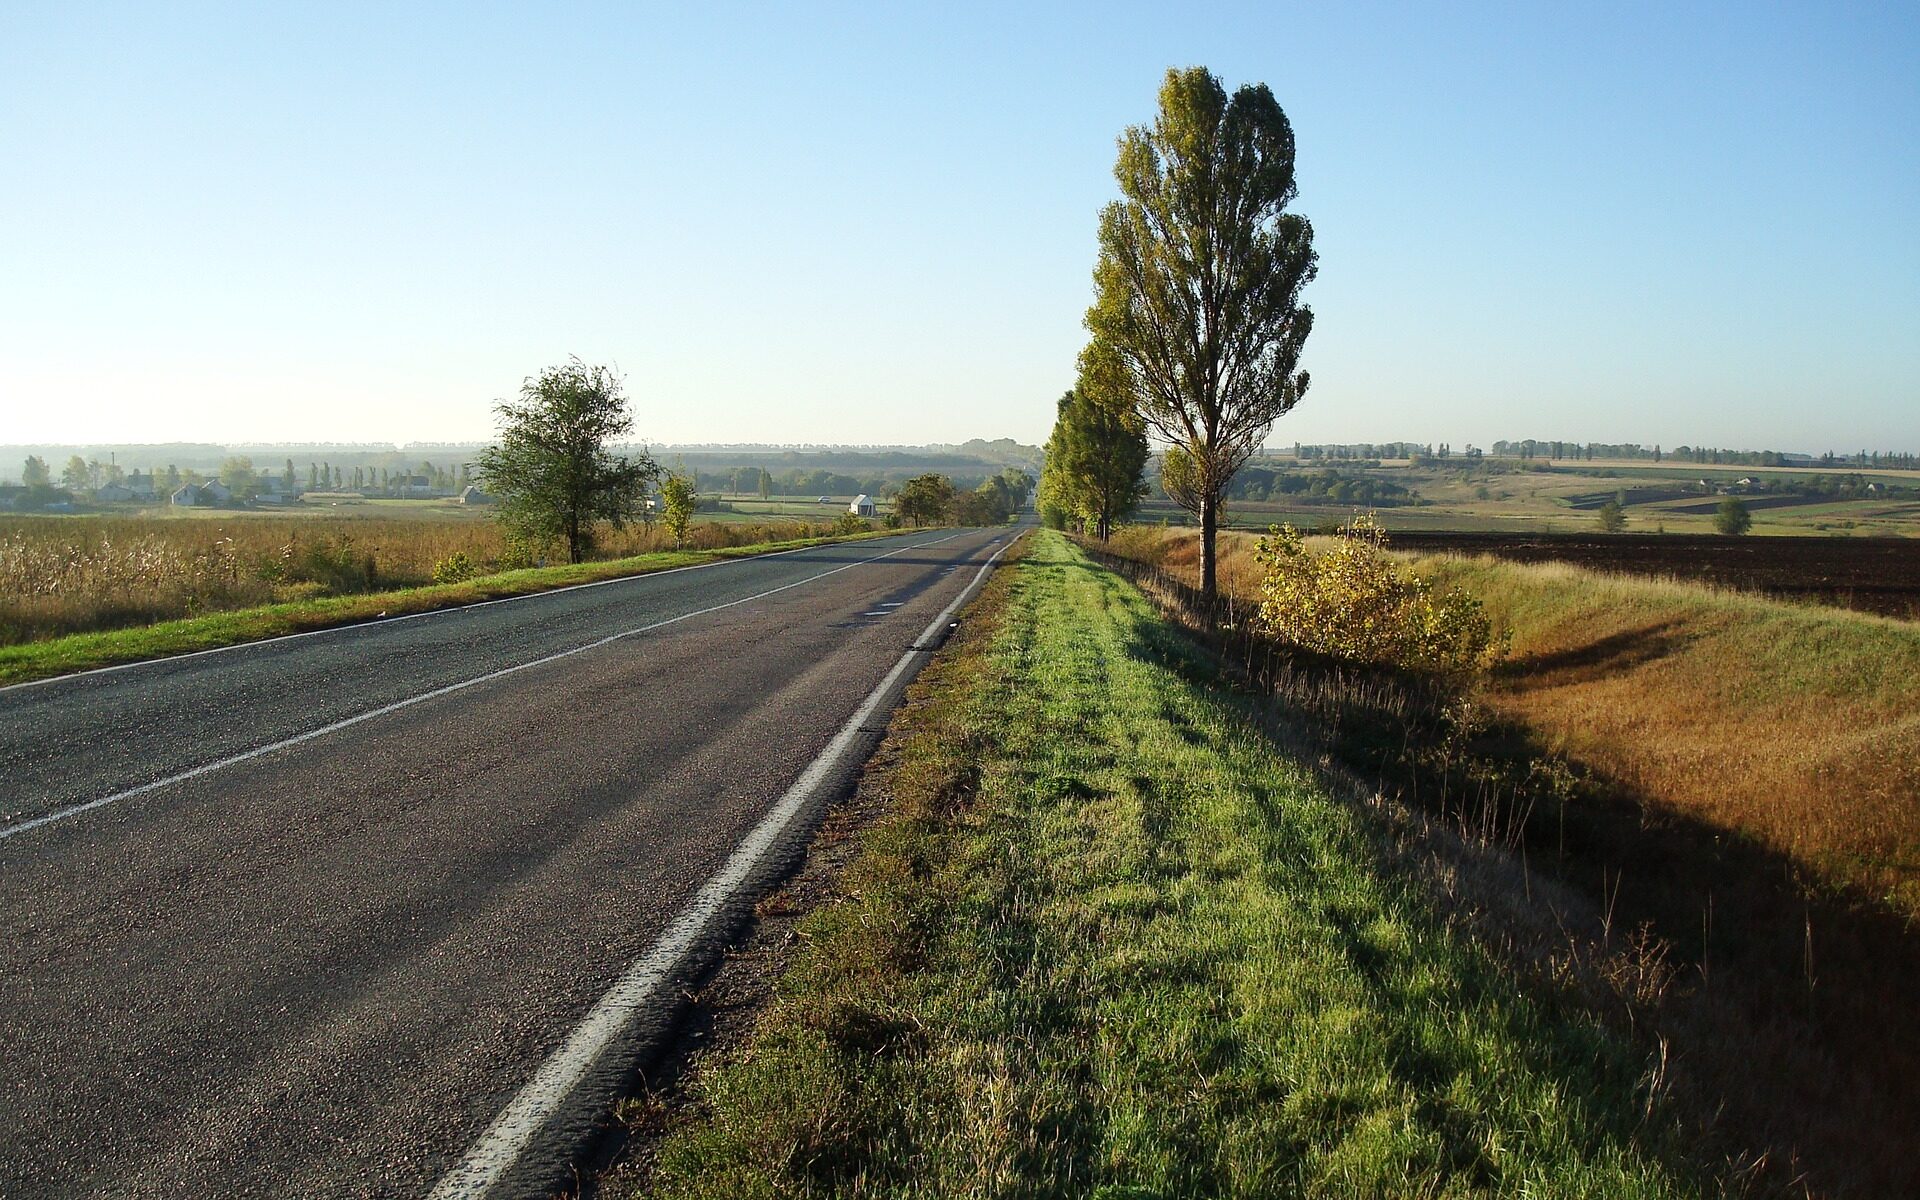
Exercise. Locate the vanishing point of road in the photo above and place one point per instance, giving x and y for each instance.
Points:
(396, 909)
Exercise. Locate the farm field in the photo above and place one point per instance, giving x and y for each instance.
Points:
(808, 508)
(62, 575)
(1564, 498)
(1878, 575)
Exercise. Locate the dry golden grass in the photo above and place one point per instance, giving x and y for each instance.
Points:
(1795, 725)
(1743, 803)
(63, 576)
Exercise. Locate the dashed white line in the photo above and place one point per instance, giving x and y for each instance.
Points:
(74, 810)
(437, 612)
(500, 1147)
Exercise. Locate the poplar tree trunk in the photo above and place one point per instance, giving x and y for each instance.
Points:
(1209, 518)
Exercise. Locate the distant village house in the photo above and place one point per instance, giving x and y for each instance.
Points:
(205, 495)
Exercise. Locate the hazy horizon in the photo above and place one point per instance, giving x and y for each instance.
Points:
(261, 226)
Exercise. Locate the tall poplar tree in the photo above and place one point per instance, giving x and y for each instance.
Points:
(1199, 280)
(1097, 449)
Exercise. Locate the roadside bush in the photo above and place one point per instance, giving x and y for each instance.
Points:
(334, 562)
(454, 568)
(847, 523)
(1353, 601)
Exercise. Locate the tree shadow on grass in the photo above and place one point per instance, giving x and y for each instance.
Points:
(1601, 657)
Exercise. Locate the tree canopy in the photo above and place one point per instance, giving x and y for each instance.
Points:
(678, 500)
(553, 471)
(1199, 279)
(924, 499)
(1097, 450)
(1732, 517)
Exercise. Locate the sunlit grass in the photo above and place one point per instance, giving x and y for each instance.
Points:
(1113, 942)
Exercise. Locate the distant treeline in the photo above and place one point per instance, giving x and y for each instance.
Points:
(1275, 481)
(1565, 451)
(1325, 485)
(967, 475)
(976, 460)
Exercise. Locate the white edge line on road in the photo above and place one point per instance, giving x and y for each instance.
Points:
(432, 612)
(500, 1147)
(74, 810)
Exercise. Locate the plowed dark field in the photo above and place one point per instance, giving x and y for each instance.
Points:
(1880, 575)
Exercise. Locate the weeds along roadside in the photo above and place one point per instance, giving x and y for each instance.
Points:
(61, 576)
(1763, 969)
(22, 662)
(1111, 939)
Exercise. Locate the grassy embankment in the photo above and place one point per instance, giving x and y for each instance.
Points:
(1796, 726)
(141, 581)
(1112, 941)
(1740, 778)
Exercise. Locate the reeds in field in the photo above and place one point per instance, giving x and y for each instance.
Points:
(74, 575)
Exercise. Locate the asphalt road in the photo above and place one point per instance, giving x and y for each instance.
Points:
(413, 856)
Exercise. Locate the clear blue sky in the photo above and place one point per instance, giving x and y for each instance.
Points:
(876, 223)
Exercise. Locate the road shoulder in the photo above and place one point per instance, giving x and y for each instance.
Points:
(1106, 937)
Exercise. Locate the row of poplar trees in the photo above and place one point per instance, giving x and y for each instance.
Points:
(1196, 326)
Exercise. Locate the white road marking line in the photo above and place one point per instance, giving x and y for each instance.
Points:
(893, 603)
(436, 612)
(74, 810)
(877, 613)
(494, 1154)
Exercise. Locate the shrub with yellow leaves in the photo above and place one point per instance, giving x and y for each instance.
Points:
(1353, 601)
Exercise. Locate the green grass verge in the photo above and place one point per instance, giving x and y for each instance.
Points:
(1110, 941)
(85, 651)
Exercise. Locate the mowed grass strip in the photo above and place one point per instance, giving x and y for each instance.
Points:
(1111, 942)
(27, 661)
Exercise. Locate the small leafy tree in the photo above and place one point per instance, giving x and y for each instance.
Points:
(454, 568)
(1732, 517)
(35, 473)
(924, 499)
(239, 476)
(678, 500)
(1612, 517)
(988, 504)
(553, 471)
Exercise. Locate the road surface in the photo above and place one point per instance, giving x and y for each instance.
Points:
(303, 918)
